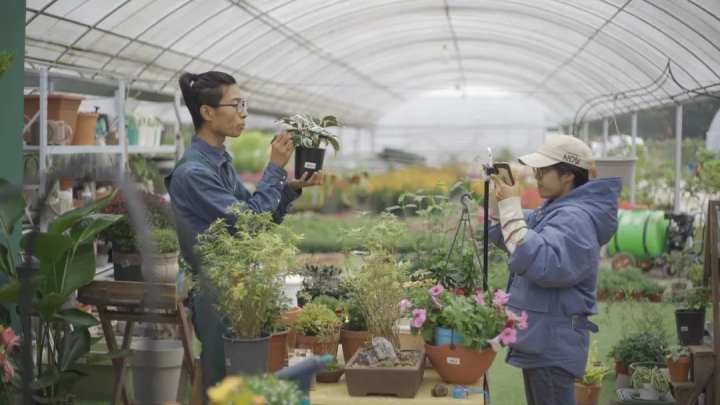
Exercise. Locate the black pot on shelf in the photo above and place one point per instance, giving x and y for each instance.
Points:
(690, 326)
(127, 266)
(308, 160)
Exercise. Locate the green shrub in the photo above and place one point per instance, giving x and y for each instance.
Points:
(318, 320)
(640, 347)
(166, 240)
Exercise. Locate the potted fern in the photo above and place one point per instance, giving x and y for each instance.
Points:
(587, 390)
(311, 137)
(246, 264)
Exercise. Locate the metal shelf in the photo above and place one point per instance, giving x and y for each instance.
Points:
(136, 149)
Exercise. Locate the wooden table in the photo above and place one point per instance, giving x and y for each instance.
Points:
(136, 302)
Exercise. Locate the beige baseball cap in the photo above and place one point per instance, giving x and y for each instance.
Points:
(560, 149)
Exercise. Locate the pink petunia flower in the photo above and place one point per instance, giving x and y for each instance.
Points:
(508, 336)
(521, 321)
(419, 317)
(479, 297)
(500, 299)
(495, 343)
(405, 305)
(437, 290)
(437, 303)
(9, 339)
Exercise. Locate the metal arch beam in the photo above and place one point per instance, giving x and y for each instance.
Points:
(453, 33)
(39, 12)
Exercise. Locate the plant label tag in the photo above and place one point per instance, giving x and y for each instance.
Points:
(455, 361)
(684, 329)
(310, 165)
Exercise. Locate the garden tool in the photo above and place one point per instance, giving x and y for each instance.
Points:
(303, 373)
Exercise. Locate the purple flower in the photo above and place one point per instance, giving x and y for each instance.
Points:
(419, 316)
(437, 290)
(520, 321)
(500, 299)
(405, 305)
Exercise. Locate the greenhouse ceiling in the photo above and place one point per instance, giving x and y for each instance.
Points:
(360, 58)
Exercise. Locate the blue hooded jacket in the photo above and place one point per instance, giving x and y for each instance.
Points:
(554, 275)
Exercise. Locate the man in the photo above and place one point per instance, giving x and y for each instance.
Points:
(204, 184)
(554, 256)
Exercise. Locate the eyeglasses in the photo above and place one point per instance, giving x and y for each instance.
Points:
(241, 106)
(541, 171)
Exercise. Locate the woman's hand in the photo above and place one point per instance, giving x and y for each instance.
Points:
(503, 190)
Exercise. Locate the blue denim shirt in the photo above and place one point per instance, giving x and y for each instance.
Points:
(201, 193)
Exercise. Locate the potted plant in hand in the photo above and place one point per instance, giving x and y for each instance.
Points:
(462, 333)
(587, 390)
(163, 266)
(678, 363)
(311, 137)
(641, 347)
(318, 329)
(246, 263)
(381, 368)
(690, 318)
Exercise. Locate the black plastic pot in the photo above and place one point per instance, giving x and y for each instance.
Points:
(308, 160)
(127, 266)
(246, 356)
(690, 326)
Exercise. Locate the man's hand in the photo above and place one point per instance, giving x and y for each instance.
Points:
(282, 149)
(316, 179)
(503, 190)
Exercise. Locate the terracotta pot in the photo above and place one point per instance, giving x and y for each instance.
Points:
(656, 297)
(330, 377)
(459, 365)
(289, 318)
(319, 346)
(278, 351)
(60, 107)
(351, 341)
(67, 184)
(402, 382)
(621, 369)
(587, 394)
(679, 369)
(85, 129)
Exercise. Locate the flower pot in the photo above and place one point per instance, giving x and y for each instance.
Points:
(85, 129)
(690, 326)
(308, 160)
(648, 393)
(402, 382)
(352, 341)
(459, 365)
(587, 394)
(679, 369)
(621, 368)
(163, 268)
(319, 346)
(289, 319)
(127, 266)
(159, 361)
(329, 377)
(246, 356)
(278, 353)
(446, 336)
(60, 107)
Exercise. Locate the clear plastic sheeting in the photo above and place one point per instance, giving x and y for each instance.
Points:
(357, 59)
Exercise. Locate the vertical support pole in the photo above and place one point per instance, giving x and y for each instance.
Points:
(678, 156)
(586, 132)
(42, 149)
(606, 128)
(372, 139)
(178, 125)
(633, 132)
(122, 132)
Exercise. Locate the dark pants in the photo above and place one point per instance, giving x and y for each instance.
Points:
(549, 386)
(209, 329)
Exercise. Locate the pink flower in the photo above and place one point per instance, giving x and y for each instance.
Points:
(419, 316)
(9, 372)
(495, 343)
(508, 336)
(405, 305)
(9, 339)
(437, 303)
(479, 297)
(521, 321)
(500, 299)
(437, 290)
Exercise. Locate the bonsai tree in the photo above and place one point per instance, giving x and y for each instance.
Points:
(311, 132)
(246, 263)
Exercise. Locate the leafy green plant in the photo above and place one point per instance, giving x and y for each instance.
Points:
(121, 234)
(477, 323)
(695, 298)
(321, 280)
(677, 352)
(330, 303)
(166, 240)
(630, 282)
(266, 390)
(12, 209)
(653, 376)
(6, 59)
(640, 347)
(318, 320)
(247, 262)
(377, 286)
(311, 132)
(595, 370)
(355, 319)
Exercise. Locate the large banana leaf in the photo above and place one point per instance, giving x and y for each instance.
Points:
(70, 218)
(76, 317)
(74, 345)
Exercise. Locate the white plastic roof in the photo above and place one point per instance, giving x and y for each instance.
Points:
(359, 58)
